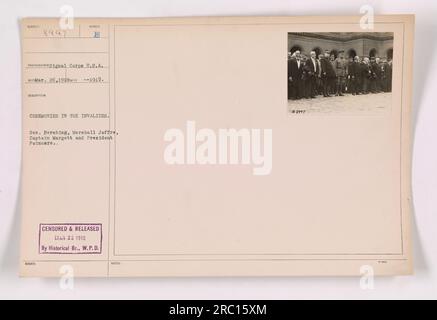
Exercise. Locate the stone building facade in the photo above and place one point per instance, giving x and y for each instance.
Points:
(367, 44)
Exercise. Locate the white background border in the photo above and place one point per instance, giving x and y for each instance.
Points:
(422, 285)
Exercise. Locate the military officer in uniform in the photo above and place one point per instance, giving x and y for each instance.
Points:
(340, 73)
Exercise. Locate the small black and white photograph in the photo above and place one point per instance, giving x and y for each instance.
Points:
(339, 72)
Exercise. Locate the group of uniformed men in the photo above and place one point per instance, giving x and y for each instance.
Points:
(329, 75)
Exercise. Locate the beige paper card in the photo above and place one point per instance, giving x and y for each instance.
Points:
(225, 146)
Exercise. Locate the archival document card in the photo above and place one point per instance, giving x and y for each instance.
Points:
(216, 146)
